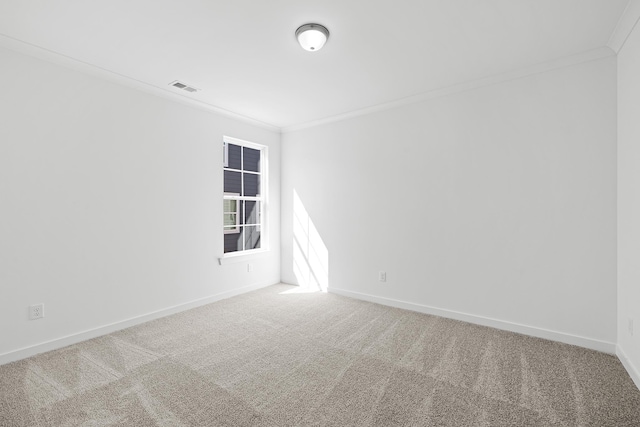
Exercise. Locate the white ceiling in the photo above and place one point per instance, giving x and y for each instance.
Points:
(243, 55)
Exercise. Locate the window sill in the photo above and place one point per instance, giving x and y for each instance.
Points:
(235, 258)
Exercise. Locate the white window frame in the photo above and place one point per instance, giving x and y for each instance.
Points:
(263, 199)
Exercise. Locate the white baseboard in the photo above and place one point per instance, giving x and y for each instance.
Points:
(57, 343)
(603, 346)
(633, 371)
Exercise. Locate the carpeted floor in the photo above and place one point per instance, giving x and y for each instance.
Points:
(275, 357)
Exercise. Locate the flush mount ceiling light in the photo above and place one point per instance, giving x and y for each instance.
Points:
(312, 36)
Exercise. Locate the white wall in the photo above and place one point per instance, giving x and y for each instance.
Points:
(629, 201)
(110, 203)
(499, 203)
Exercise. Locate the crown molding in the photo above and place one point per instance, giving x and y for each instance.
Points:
(86, 68)
(627, 22)
(590, 55)
(41, 53)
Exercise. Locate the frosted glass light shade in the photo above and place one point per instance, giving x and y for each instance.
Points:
(312, 36)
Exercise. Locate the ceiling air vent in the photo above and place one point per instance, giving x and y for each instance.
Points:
(180, 85)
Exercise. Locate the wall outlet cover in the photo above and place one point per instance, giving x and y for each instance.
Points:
(36, 311)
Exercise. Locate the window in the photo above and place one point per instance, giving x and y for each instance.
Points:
(244, 197)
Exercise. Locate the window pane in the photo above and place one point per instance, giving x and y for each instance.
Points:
(251, 160)
(232, 182)
(251, 185)
(230, 206)
(251, 237)
(234, 156)
(251, 212)
(233, 242)
(230, 219)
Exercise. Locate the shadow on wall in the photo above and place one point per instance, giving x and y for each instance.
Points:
(310, 255)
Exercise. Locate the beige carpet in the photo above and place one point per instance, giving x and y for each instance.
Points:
(275, 358)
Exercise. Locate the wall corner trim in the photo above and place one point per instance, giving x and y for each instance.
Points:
(633, 371)
(58, 343)
(580, 341)
(627, 22)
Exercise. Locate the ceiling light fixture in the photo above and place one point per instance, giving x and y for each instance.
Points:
(312, 36)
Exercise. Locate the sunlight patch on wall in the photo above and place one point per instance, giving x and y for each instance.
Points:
(310, 255)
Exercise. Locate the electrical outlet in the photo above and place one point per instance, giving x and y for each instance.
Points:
(249, 268)
(630, 326)
(36, 311)
(382, 276)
